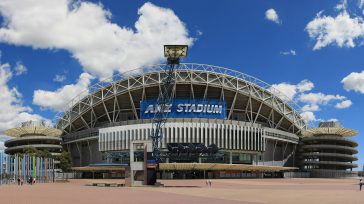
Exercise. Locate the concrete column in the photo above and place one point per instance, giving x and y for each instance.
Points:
(89, 148)
(249, 134)
(79, 152)
(274, 150)
(230, 157)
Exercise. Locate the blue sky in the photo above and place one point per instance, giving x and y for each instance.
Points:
(310, 50)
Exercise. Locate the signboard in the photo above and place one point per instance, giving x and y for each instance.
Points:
(186, 108)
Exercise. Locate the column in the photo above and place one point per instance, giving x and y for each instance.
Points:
(230, 157)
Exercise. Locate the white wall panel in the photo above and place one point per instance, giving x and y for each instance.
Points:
(226, 136)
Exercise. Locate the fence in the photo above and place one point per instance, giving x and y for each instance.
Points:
(14, 167)
(296, 174)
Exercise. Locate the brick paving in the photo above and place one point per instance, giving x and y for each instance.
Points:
(248, 191)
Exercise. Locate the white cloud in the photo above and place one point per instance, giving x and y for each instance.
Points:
(343, 104)
(285, 90)
(12, 111)
(342, 6)
(86, 31)
(309, 101)
(342, 30)
(20, 69)
(319, 98)
(272, 15)
(199, 33)
(59, 78)
(313, 101)
(59, 99)
(360, 3)
(3, 138)
(291, 90)
(289, 52)
(308, 116)
(305, 85)
(354, 82)
(310, 107)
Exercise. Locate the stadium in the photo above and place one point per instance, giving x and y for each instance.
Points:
(253, 123)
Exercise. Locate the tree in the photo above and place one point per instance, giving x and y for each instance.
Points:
(43, 153)
(32, 151)
(65, 162)
(29, 150)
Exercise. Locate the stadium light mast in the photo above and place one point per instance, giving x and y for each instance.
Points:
(173, 53)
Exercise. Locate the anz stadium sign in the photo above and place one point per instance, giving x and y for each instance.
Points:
(185, 108)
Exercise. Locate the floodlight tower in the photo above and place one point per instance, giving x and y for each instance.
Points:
(173, 53)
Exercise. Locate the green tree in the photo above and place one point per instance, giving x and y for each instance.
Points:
(29, 150)
(43, 153)
(37, 152)
(65, 162)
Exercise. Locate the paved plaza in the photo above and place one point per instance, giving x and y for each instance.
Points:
(249, 191)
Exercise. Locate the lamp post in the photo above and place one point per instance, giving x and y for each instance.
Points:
(173, 53)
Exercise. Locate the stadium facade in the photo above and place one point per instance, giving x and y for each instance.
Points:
(230, 117)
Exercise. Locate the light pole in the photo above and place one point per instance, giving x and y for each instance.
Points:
(173, 53)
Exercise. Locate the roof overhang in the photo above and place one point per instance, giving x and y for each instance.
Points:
(98, 168)
(33, 130)
(215, 166)
(344, 132)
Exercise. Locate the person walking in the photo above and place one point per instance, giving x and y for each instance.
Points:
(360, 184)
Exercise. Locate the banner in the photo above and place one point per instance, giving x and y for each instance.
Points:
(185, 108)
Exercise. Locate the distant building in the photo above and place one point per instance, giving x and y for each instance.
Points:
(36, 135)
(327, 152)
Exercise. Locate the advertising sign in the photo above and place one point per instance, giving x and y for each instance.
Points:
(186, 108)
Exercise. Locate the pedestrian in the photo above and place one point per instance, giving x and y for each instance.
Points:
(210, 183)
(360, 184)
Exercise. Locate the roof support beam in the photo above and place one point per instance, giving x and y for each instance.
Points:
(232, 106)
(258, 113)
(279, 122)
(192, 91)
(84, 122)
(106, 112)
(133, 106)
(116, 111)
(206, 89)
(246, 108)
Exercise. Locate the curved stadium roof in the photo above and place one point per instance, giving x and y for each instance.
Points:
(105, 100)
